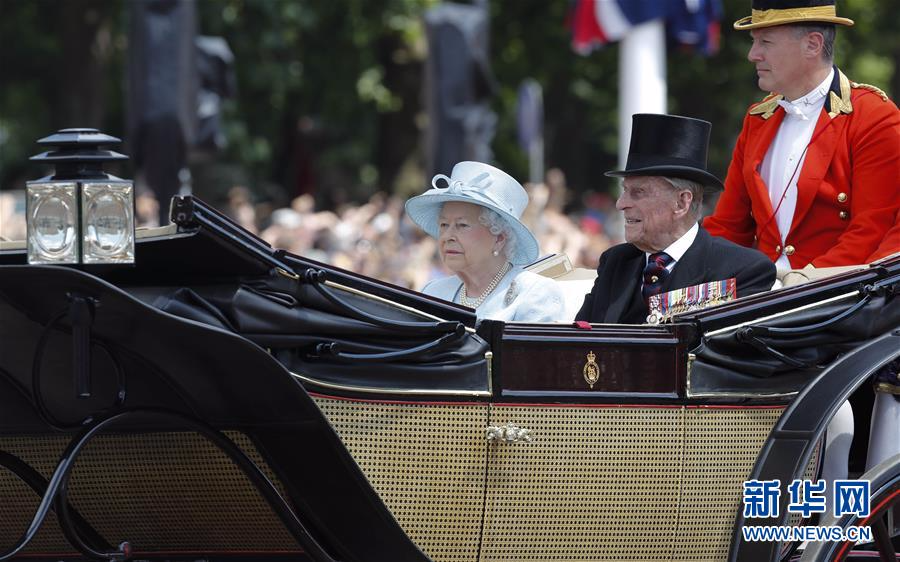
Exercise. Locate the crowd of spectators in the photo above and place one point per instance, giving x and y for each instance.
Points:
(376, 239)
(12, 216)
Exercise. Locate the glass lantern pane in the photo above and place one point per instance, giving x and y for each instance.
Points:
(107, 222)
(51, 219)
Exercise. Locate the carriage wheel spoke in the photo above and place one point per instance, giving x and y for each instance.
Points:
(883, 540)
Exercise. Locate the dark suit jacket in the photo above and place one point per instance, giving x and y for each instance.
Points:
(616, 295)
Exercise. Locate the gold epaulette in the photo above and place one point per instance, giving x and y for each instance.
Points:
(871, 88)
(838, 104)
(767, 106)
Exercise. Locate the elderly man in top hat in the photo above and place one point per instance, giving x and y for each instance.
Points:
(665, 249)
(815, 175)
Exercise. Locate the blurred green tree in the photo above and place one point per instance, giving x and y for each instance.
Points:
(328, 92)
(329, 96)
(60, 66)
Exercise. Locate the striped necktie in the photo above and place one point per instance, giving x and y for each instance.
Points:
(655, 274)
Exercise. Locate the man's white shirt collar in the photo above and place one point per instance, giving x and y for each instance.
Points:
(678, 248)
(810, 104)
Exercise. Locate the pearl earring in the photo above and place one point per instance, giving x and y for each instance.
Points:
(496, 253)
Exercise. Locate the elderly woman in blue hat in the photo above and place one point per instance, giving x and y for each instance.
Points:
(474, 216)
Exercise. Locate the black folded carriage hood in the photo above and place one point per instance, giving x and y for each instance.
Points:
(774, 343)
(198, 371)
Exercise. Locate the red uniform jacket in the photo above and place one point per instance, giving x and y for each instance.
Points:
(848, 191)
(891, 243)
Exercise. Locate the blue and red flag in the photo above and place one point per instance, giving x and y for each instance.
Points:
(690, 23)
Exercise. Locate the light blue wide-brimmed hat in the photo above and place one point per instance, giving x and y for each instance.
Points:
(479, 184)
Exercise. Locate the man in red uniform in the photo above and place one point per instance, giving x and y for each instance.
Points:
(815, 175)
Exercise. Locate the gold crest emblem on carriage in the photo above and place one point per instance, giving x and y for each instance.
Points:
(591, 369)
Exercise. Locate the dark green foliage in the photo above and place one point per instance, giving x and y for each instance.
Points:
(329, 91)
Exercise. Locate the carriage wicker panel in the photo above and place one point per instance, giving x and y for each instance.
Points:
(813, 473)
(594, 484)
(172, 491)
(18, 503)
(720, 447)
(427, 463)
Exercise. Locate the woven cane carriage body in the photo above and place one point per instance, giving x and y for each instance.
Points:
(277, 408)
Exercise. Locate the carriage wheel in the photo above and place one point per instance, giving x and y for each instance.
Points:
(884, 521)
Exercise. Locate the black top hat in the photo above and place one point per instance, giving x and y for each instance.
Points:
(766, 13)
(669, 145)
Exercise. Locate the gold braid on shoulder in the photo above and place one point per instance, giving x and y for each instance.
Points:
(767, 106)
(871, 88)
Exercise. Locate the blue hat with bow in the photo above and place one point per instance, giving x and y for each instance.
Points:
(479, 184)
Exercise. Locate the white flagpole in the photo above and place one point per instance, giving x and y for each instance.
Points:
(642, 77)
(642, 87)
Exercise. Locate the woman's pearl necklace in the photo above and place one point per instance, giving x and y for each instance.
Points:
(475, 303)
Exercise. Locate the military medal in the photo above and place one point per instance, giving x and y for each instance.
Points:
(696, 297)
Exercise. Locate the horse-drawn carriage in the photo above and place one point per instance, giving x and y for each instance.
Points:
(220, 399)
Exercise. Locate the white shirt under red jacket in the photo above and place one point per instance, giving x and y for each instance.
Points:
(781, 167)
